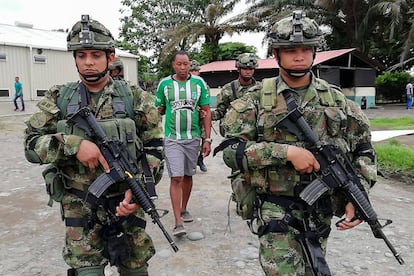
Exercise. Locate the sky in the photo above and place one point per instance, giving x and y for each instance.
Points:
(62, 14)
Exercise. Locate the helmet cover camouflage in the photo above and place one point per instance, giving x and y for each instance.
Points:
(117, 63)
(195, 66)
(89, 34)
(295, 31)
(246, 60)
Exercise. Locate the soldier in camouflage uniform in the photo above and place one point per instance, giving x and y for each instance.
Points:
(195, 71)
(245, 64)
(116, 69)
(278, 166)
(75, 160)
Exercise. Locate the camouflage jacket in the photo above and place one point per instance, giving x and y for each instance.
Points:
(333, 118)
(41, 142)
(226, 96)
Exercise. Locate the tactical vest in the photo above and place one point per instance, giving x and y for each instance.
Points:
(120, 126)
(69, 99)
(329, 124)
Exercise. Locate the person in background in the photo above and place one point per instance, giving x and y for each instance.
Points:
(109, 229)
(195, 71)
(275, 163)
(18, 88)
(181, 97)
(116, 69)
(409, 89)
(246, 64)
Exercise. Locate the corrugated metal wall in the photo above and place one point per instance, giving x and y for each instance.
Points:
(15, 65)
(58, 69)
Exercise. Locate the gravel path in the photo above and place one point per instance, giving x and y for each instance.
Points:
(32, 233)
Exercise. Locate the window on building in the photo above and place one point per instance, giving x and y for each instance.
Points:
(40, 92)
(3, 56)
(40, 59)
(4, 93)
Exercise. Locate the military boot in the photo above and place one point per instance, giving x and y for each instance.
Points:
(90, 271)
(142, 271)
(200, 163)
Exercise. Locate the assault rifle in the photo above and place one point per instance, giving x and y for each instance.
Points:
(336, 172)
(118, 157)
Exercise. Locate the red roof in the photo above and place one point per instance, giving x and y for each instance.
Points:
(270, 63)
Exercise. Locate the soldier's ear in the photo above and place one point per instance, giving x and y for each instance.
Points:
(274, 53)
(111, 57)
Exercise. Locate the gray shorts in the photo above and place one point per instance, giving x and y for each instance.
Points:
(181, 156)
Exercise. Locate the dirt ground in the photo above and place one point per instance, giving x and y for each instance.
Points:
(32, 233)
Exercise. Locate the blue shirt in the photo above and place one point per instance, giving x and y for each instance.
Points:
(18, 87)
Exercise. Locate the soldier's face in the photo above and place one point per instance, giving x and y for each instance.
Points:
(181, 66)
(296, 58)
(246, 73)
(91, 61)
(195, 73)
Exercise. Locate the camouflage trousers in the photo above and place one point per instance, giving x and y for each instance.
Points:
(281, 253)
(83, 248)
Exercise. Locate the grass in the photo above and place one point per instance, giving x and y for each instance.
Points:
(393, 123)
(392, 156)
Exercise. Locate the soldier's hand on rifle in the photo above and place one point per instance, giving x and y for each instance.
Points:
(125, 207)
(350, 220)
(90, 156)
(302, 160)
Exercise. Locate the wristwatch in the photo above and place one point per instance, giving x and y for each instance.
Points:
(209, 140)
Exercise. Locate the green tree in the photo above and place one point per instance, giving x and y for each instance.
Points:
(381, 29)
(226, 51)
(209, 27)
(391, 85)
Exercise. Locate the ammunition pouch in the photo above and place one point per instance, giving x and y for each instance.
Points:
(55, 183)
(245, 197)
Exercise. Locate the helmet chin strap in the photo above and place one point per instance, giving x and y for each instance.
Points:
(296, 73)
(94, 77)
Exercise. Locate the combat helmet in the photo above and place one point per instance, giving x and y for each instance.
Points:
(195, 65)
(90, 34)
(246, 60)
(295, 31)
(117, 63)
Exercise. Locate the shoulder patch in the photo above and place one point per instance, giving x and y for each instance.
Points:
(47, 105)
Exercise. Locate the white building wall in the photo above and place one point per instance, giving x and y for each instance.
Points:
(59, 68)
(15, 65)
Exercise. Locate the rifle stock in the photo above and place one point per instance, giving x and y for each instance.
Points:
(336, 172)
(121, 170)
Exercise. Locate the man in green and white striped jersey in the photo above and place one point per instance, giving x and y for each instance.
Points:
(180, 97)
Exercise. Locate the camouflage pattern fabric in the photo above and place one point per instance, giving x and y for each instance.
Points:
(225, 97)
(334, 119)
(83, 248)
(61, 148)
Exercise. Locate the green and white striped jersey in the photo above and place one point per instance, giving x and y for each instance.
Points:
(182, 99)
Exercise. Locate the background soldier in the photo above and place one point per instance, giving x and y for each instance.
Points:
(195, 71)
(245, 64)
(116, 69)
(276, 164)
(110, 228)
